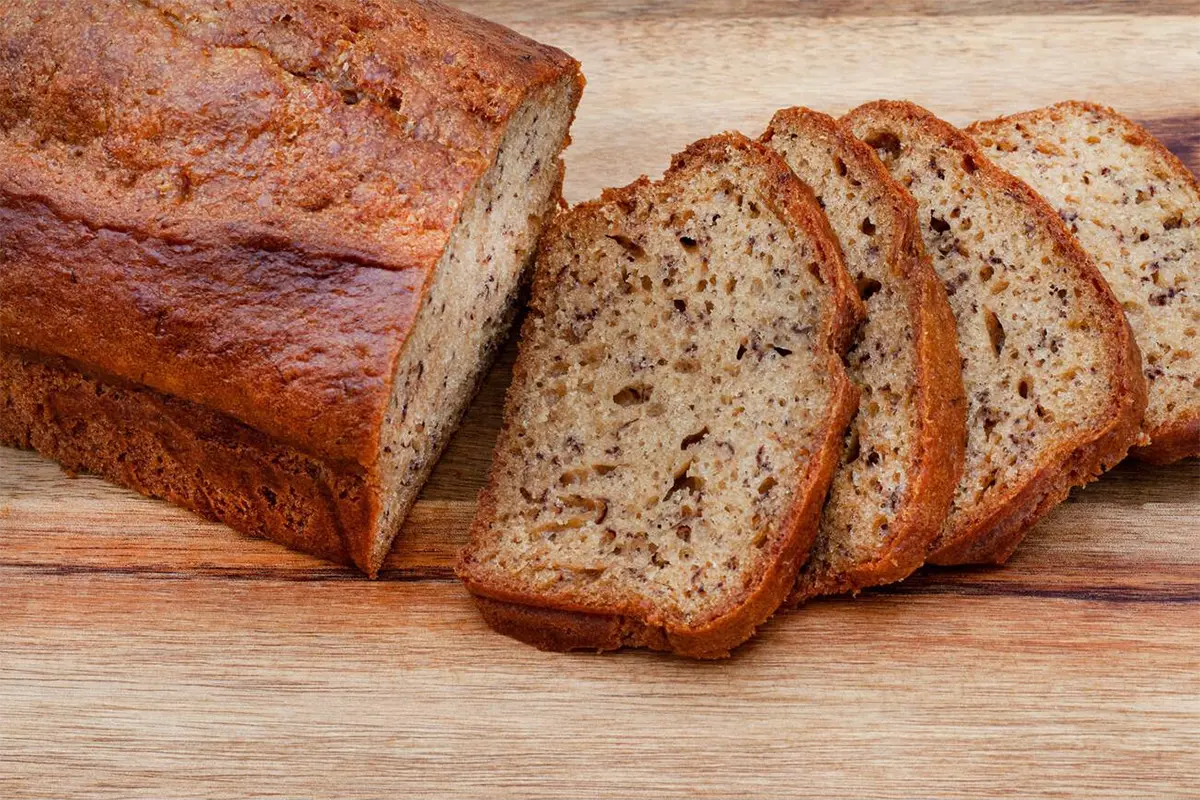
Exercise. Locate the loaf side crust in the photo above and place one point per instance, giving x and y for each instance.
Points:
(937, 461)
(1176, 438)
(178, 451)
(204, 461)
(566, 626)
(990, 534)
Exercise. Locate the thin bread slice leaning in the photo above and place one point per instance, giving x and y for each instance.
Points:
(1136, 208)
(1055, 393)
(904, 452)
(677, 411)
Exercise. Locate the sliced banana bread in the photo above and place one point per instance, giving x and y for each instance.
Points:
(677, 412)
(1055, 393)
(904, 450)
(1136, 208)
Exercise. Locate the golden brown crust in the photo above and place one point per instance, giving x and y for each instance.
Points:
(937, 463)
(1178, 438)
(990, 533)
(565, 626)
(219, 175)
(560, 631)
(1171, 443)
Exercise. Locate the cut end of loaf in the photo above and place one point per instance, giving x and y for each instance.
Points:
(470, 303)
(676, 406)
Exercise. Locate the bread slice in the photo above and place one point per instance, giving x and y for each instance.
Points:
(904, 452)
(1136, 208)
(1055, 393)
(676, 414)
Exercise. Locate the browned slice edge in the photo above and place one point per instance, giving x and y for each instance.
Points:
(934, 465)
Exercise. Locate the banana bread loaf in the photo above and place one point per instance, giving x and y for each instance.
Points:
(254, 257)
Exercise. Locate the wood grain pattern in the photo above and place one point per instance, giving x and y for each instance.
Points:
(146, 653)
(523, 15)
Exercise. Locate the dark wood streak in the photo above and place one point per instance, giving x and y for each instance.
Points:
(1181, 593)
(931, 583)
(319, 574)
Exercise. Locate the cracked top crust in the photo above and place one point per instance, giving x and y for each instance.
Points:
(186, 186)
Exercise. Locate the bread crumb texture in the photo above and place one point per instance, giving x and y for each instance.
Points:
(674, 382)
(1136, 209)
(871, 530)
(1040, 353)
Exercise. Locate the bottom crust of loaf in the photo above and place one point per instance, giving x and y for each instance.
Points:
(556, 630)
(187, 454)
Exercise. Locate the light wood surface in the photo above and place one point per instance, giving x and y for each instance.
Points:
(146, 653)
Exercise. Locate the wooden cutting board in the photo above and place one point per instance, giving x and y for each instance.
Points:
(144, 652)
